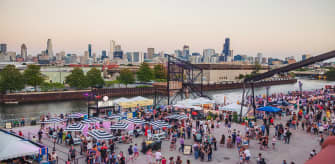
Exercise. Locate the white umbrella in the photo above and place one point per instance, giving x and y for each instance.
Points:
(75, 128)
(119, 125)
(159, 124)
(136, 120)
(100, 135)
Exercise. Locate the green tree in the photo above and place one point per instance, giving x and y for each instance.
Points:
(77, 79)
(159, 72)
(126, 77)
(330, 74)
(11, 79)
(145, 74)
(94, 77)
(33, 76)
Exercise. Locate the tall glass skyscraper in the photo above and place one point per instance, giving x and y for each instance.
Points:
(226, 47)
(103, 54)
(90, 50)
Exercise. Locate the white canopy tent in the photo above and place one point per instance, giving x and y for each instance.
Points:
(14, 147)
(194, 102)
(234, 108)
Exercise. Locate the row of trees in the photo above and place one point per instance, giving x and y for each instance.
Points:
(12, 79)
(78, 79)
(144, 74)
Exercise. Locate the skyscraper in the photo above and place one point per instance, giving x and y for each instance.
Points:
(3, 48)
(24, 51)
(49, 48)
(111, 49)
(186, 51)
(89, 50)
(150, 53)
(226, 47)
(118, 53)
(103, 54)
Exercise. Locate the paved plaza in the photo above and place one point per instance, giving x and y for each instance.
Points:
(298, 150)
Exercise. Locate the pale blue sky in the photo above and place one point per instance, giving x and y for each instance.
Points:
(274, 27)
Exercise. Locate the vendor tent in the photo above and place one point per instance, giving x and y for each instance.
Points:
(234, 108)
(13, 146)
(269, 109)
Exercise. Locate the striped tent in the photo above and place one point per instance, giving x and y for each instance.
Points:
(115, 116)
(177, 116)
(89, 121)
(159, 124)
(74, 115)
(97, 119)
(53, 121)
(74, 128)
(136, 121)
(100, 135)
(119, 125)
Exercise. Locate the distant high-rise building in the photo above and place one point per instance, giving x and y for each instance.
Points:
(49, 49)
(208, 52)
(103, 54)
(259, 57)
(150, 53)
(24, 52)
(186, 51)
(226, 47)
(111, 49)
(178, 53)
(305, 56)
(89, 50)
(3, 48)
(118, 53)
(196, 54)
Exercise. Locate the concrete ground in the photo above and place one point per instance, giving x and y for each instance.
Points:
(298, 150)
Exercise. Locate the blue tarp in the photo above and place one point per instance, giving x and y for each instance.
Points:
(269, 109)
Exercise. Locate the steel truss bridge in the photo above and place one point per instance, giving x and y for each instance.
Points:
(250, 81)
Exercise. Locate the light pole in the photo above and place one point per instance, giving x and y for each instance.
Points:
(300, 87)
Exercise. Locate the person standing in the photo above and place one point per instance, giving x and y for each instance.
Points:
(158, 156)
(72, 154)
(181, 149)
(136, 153)
(288, 136)
(40, 133)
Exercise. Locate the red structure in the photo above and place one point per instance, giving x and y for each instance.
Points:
(326, 155)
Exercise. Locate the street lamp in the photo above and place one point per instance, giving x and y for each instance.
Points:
(300, 87)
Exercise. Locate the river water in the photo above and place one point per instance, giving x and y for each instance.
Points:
(35, 109)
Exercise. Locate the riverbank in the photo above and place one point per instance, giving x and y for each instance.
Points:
(32, 97)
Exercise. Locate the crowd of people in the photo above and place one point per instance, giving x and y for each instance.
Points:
(310, 112)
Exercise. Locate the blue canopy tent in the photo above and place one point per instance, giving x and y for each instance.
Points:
(269, 109)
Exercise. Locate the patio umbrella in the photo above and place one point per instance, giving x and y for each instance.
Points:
(114, 116)
(100, 135)
(97, 119)
(74, 115)
(269, 109)
(119, 125)
(89, 121)
(75, 128)
(159, 124)
(136, 120)
(177, 116)
(53, 121)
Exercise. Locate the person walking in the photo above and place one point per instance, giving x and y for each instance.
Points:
(72, 154)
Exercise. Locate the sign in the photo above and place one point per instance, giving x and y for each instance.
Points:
(187, 149)
(129, 115)
(105, 103)
(8, 125)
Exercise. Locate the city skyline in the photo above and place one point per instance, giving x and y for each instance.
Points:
(285, 28)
